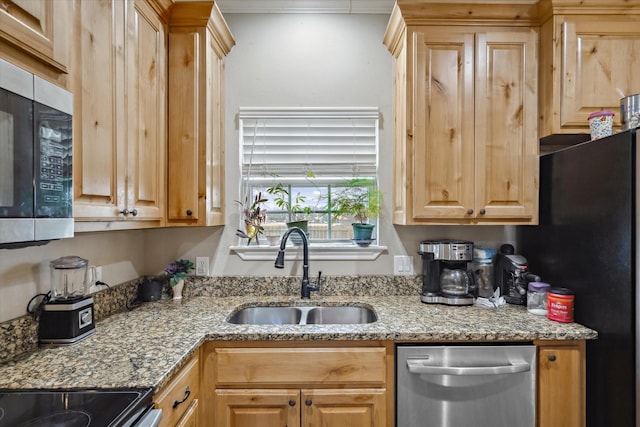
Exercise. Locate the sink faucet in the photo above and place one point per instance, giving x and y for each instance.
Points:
(306, 286)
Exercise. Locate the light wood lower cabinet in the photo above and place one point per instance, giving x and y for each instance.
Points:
(180, 398)
(344, 384)
(306, 407)
(561, 384)
(296, 385)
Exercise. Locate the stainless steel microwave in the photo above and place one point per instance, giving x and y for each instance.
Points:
(36, 188)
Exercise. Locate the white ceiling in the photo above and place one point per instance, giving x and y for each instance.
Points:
(305, 6)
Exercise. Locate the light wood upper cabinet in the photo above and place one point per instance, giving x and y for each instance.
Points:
(199, 40)
(120, 115)
(587, 51)
(465, 114)
(37, 28)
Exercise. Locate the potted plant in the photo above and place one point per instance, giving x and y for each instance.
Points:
(177, 272)
(293, 204)
(254, 216)
(361, 199)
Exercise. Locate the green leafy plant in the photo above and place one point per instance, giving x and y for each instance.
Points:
(283, 200)
(294, 204)
(178, 270)
(360, 198)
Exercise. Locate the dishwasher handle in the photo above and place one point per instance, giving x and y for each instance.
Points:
(418, 366)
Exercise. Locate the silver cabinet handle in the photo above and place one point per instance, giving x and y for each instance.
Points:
(417, 366)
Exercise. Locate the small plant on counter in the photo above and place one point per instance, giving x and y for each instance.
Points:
(254, 216)
(178, 270)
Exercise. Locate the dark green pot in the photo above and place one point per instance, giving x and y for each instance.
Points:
(362, 232)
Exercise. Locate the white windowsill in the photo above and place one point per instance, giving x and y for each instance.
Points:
(317, 251)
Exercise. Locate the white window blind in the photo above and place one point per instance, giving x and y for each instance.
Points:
(289, 142)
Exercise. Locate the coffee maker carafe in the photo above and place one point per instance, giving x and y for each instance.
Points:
(512, 275)
(446, 275)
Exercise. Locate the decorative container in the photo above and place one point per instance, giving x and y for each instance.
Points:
(601, 124)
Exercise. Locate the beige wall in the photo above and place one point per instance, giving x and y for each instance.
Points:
(279, 60)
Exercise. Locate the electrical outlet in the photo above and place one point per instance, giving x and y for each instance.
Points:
(202, 266)
(93, 288)
(402, 265)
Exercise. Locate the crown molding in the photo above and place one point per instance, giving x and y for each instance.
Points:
(306, 6)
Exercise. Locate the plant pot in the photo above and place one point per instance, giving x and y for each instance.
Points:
(302, 225)
(362, 233)
(177, 290)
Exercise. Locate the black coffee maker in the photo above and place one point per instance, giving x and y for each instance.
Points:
(512, 275)
(446, 275)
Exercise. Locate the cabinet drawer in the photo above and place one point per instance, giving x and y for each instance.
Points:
(176, 391)
(327, 366)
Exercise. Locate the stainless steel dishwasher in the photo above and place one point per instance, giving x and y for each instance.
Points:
(465, 386)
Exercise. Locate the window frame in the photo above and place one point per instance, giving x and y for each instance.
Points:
(255, 174)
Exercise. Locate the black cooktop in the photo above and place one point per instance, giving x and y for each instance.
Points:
(72, 408)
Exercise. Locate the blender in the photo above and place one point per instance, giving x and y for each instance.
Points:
(68, 315)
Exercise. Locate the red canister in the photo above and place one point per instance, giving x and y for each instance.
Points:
(560, 304)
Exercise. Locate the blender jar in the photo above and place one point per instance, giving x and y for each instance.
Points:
(482, 267)
(68, 278)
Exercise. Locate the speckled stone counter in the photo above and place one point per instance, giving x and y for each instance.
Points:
(144, 347)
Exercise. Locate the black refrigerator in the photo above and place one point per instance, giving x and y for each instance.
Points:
(587, 241)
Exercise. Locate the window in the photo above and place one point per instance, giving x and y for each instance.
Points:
(301, 158)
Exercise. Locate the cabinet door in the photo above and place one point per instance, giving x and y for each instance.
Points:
(598, 55)
(344, 408)
(195, 193)
(99, 164)
(38, 27)
(185, 145)
(215, 184)
(183, 388)
(561, 386)
(190, 417)
(146, 111)
(258, 407)
(443, 124)
(506, 144)
(120, 115)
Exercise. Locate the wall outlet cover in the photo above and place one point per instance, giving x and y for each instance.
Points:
(402, 265)
(202, 266)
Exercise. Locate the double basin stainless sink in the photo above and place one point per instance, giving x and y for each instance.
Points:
(303, 315)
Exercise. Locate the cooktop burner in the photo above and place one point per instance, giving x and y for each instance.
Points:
(72, 408)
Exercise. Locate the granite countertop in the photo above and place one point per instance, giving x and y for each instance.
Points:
(144, 347)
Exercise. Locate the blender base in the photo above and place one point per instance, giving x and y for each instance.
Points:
(66, 322)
